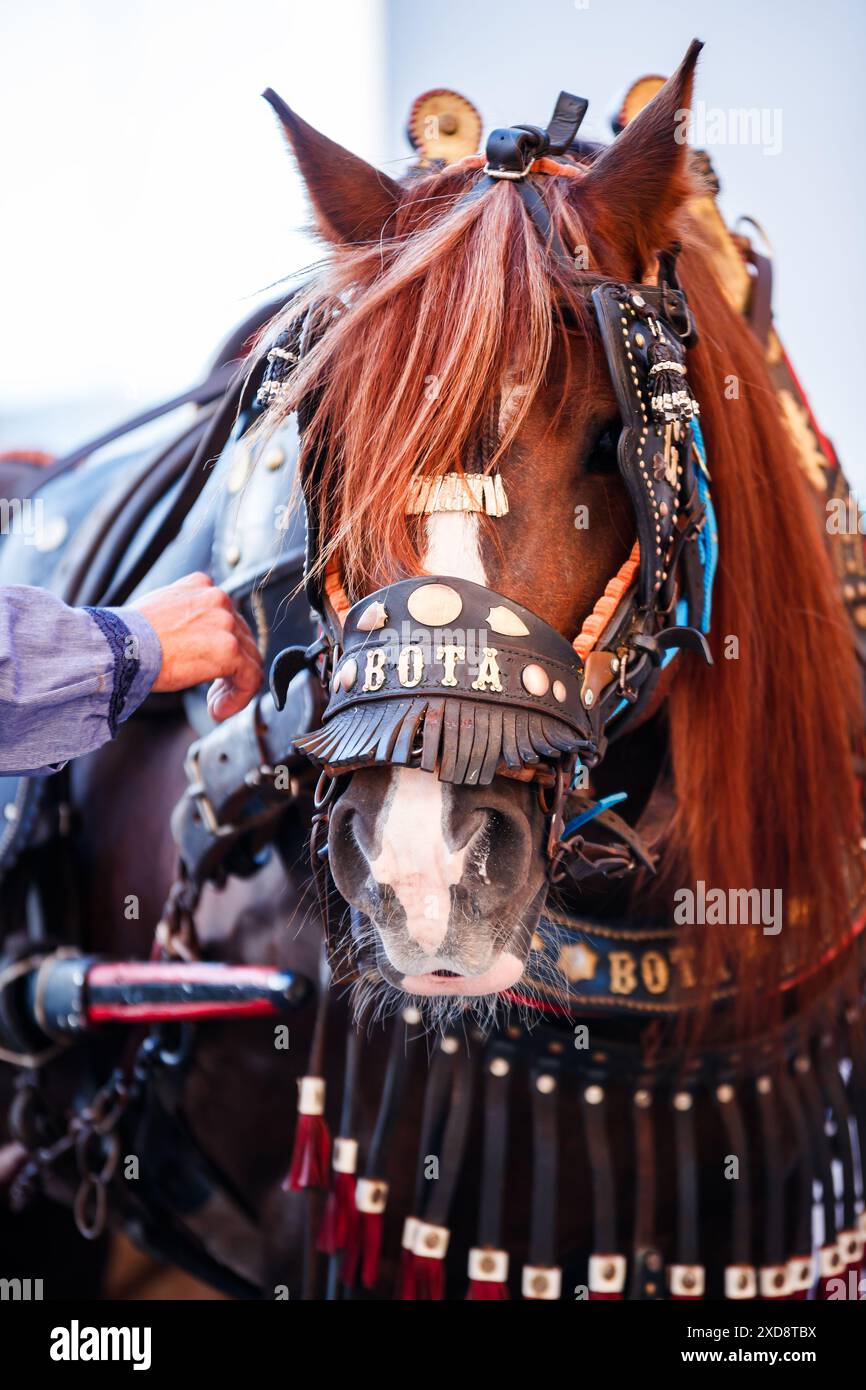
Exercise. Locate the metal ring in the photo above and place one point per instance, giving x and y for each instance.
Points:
(556, 790)
(109, 1155)
(325, 789)
(90, 1226)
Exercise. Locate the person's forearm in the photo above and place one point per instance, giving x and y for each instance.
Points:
(68, 676)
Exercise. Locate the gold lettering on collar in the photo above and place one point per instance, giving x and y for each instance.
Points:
(449, 656)
(655, 972)
(683, 958)
(489, 677)
(374, 671)
(410, 666)
(623, 972)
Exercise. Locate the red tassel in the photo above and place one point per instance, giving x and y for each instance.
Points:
(487, 1291)
(429, 1279)
(311, 1155)
(339, 1216)
(372, 1226)
(406, 1277)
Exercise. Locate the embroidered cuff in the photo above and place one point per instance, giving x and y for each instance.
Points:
(131, 644)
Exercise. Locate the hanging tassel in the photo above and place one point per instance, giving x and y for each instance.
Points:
(340, 1214)
(405, 1292)
(430, 1249)
(741, 1277)
(371, 1191)
(370, 1200)
(829, 1257)
(801, 1268)
(488, 1262)
(848, 1238)
(773, 1275)
(488, 1276)
(431, 1236)
(606, 1274)
(687, 1277)
(671, 399)
(312, 1150)
(647, 1259)
(340, 1211)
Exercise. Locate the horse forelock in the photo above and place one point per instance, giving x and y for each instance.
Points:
(427, 330)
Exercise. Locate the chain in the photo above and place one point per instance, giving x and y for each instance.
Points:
(92, 1137)
(176, 937)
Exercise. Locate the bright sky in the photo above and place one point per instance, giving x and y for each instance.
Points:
(148, 197)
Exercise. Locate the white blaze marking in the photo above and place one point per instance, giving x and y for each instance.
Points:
(415, 858)
(453, 546)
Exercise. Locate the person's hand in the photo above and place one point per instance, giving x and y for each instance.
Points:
(203, 638)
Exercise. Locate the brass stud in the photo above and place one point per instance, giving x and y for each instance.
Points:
(535, 679)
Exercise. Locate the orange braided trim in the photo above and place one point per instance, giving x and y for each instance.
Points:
(336, 594)
(607, 604)
(539, 166)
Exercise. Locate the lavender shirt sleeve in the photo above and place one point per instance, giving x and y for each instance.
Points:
(68, 676)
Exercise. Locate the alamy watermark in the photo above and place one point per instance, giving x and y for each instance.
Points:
(703, 906)
(23, 517)
(706, 126)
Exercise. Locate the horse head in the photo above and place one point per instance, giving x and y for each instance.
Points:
(463, 469)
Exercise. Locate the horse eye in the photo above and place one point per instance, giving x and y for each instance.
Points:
(602, 456)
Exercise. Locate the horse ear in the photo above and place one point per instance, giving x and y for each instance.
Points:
(637, 185)
(352, 200)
